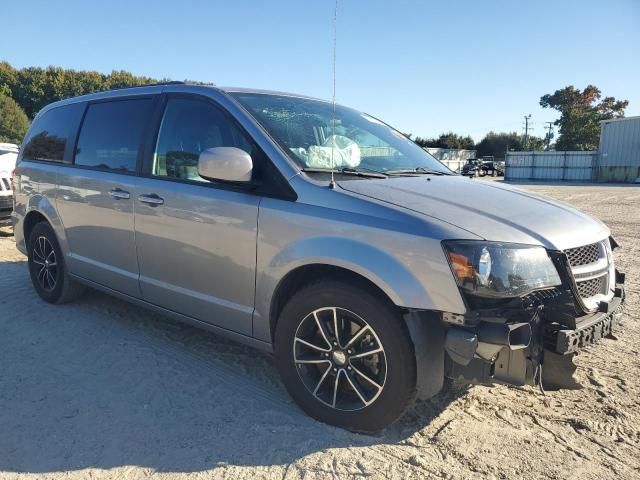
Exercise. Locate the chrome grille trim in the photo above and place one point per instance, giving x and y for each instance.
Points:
(593, 287)
(584, 255)
(590, 268)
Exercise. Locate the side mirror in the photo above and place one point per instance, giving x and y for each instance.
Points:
(228, 164)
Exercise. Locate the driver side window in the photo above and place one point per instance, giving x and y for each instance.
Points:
(188, 128)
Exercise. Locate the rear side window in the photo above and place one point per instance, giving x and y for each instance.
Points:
(111, 134)
(52, 134)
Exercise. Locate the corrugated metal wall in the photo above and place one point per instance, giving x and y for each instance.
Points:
(619, 150)
(564, 166)
(454, 159)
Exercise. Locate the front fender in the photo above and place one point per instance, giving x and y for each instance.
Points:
(377, 266)
(386, 272)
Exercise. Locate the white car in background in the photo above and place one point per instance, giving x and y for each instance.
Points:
(8, 157)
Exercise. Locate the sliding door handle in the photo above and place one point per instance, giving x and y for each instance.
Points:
(118, 194)
(151, 199)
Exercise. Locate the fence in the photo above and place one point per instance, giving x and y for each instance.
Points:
(454, 159)
(564, 166)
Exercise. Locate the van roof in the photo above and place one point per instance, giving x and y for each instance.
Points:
(170, 87)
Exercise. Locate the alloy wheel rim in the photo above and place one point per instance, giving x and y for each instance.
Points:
(44, 257)
(340, 358)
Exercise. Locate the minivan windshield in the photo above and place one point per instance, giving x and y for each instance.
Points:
(305, 128)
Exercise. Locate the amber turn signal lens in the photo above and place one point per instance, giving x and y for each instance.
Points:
(462, 267)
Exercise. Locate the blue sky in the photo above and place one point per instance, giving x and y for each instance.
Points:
(424, 67)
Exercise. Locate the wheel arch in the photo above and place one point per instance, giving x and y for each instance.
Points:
(31, 219)
(40, 209)
(340, 256)
(303, 275)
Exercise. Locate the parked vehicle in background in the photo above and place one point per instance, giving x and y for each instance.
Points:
(472, 168)
(492, 167)
(483, 167)
(314, 231)
(8, 157)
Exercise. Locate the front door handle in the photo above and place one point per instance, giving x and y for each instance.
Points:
(118, 193)
(151, 199)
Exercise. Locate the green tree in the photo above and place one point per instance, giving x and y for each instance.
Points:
(34, 87)
(7, 79)
(495, 144)
(447, 140)
(580, 115)
(13, 121)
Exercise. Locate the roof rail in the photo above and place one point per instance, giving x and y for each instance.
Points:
(157, 84)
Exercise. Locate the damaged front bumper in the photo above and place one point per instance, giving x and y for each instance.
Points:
(589, 329)
(508, 343)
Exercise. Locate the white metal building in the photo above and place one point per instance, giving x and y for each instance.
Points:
(619, 150)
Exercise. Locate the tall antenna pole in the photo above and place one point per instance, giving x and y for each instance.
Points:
(333, 102)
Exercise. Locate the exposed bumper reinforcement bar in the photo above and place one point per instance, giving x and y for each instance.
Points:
(589, 331)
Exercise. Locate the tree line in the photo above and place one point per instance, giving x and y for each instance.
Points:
(581, 112)
(24, 91)
(493, 144)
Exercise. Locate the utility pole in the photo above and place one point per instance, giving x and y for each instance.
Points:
(549, 135)
(526, 131)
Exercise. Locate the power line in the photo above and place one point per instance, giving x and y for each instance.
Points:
(549, 135)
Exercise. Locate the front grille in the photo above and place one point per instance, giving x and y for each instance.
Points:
(583, 255)
(540, 297)
(7, 184)
(6, 203)
(592, 287)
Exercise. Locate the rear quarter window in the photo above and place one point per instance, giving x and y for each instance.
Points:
(111, 134)
(52, 134)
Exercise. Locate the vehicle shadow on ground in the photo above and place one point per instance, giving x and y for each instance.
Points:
(99, 383)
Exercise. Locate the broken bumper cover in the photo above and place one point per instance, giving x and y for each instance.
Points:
(554, 328)
(588, 331)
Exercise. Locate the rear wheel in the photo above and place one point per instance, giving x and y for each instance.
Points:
(345, 356)
(47, 268)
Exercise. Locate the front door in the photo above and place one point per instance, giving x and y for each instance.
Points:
(196, 240)
(96, 195)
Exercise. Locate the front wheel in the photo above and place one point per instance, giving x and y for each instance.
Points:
(345, 356)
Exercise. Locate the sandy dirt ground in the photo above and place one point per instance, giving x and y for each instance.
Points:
(102, 389)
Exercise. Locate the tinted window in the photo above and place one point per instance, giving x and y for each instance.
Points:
(111, 134)
(189, 127)
(52, 133)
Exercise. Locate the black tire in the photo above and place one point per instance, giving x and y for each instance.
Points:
(50, 279)
(398, 390)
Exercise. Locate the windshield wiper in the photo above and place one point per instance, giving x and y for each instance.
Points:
(358, 172)
(417, 171)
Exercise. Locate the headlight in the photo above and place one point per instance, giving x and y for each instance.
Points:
(492, 269)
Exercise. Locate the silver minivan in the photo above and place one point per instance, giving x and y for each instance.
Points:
(314, 231)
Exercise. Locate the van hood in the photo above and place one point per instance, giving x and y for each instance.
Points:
(487, 209)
